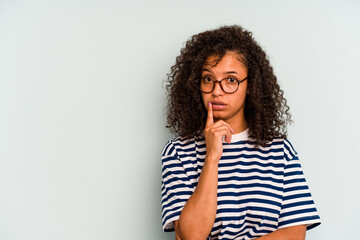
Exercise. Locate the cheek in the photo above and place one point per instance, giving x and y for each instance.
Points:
(239, 99)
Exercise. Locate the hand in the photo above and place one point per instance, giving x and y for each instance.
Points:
(214, 132)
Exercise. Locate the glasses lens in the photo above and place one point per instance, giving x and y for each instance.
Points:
(206, 85)
(229, 85)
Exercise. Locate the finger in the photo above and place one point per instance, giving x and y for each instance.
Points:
(223, 131)
(228, 138)
(210, 118)
(227, 134)
(223, 123)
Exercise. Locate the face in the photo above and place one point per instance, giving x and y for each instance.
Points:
(228, 107)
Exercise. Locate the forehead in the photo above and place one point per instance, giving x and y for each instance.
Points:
(230, 61)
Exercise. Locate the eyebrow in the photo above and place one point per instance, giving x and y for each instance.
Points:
(229, 72)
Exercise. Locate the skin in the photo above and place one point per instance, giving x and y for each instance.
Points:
(198, 215)
(233, 113)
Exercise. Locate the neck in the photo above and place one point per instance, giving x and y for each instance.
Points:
(239, 126)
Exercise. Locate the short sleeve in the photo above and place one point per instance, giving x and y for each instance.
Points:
(176, 187)
(298, 207)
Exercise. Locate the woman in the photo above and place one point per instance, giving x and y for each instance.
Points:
(232, 173)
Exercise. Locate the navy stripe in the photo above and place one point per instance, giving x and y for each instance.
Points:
(241, 217)
(248, 156)
(301, 219)
(296, 204)
(176, 213)
(260, 164)
(242, 210)
(191, 155)
(296, 180)
(290, 151)
(173, 202)
(181, 185)
(175, 178)
(286, 141)
(170, 171)
(183, 143)
(177, 194)
(247, 186)
(311, 226)
(249, 200)
(288, 174)
(253, 170)
(163, 153)
(295, 212)
(258, 196)
(247, 149)
(171, 165)
(296, 188)
(168, 159)
(297, 196)
(292, 165)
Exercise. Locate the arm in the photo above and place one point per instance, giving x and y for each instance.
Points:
(177, 237)
(198, 215)
(289, 233)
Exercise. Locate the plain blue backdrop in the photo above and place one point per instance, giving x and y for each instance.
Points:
(82, 104)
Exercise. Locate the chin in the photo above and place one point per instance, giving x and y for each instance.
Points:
(220, 115)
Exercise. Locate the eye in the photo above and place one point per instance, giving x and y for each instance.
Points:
(231, 80)
(207, 79)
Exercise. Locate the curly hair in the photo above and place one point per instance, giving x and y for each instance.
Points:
(266, 110)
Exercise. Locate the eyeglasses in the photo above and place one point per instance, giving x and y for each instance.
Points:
(228, 85)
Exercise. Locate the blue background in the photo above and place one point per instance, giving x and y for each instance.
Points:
(82, 104)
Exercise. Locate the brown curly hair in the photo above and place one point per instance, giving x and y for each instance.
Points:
(266, 110)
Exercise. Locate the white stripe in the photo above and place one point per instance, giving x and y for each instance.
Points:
(191, 169)
(303, 207)
(297, 200)
(300, 215)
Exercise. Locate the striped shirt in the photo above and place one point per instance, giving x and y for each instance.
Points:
(259, 189)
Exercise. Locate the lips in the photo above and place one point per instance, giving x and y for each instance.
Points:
(217, 103)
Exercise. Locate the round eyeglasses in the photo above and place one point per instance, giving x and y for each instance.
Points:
(228, 85)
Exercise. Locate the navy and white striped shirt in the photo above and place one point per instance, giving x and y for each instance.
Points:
(259, 190)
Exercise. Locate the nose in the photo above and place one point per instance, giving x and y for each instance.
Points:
(217, 89)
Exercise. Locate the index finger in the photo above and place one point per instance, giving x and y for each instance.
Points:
(210, 118)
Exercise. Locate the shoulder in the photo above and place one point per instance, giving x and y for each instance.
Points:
(178, 144)
(289, 150)
(284, 145)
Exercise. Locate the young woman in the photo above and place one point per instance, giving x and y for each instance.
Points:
(232, 173)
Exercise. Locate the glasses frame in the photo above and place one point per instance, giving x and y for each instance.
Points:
(219, 81)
